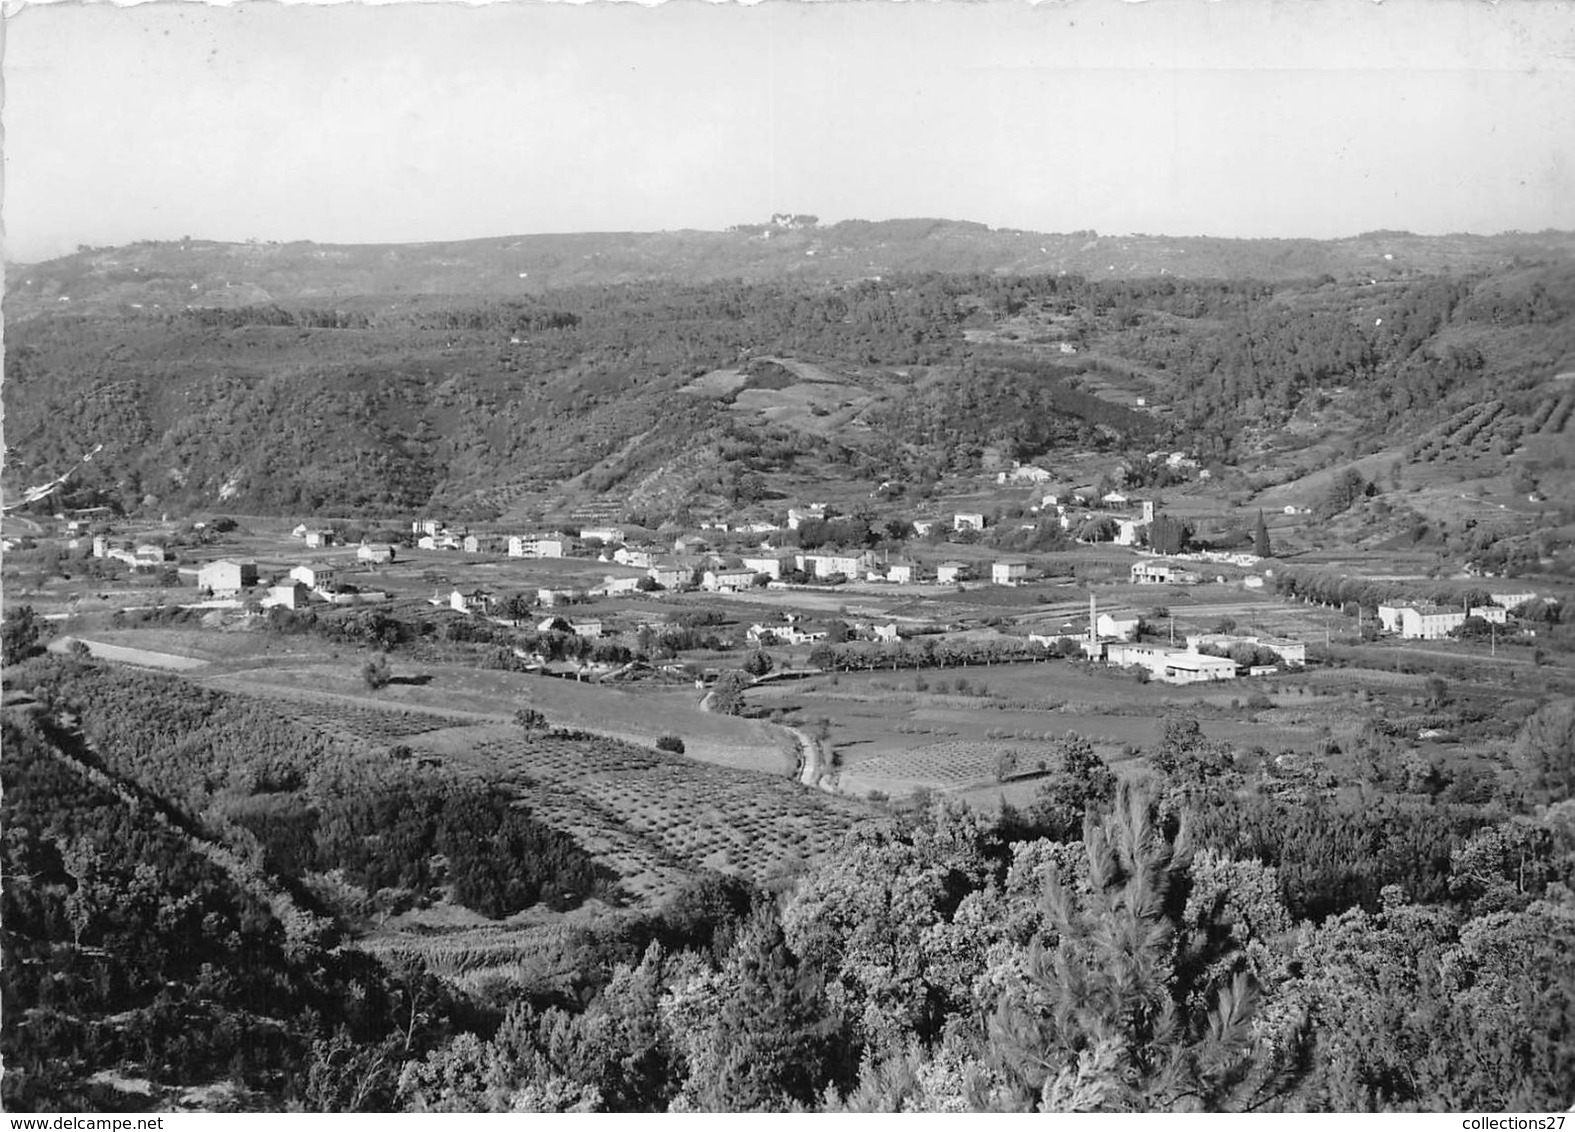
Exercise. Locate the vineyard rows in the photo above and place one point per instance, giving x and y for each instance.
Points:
(374, 724)
(1479, 430)
(1557, 417)
(650, 816)
(957, 762)
(653, 816)
(1488, 429)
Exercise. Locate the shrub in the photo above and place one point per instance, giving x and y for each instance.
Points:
(23, 632)
(376, 674)
(727, 694)
(670, 743)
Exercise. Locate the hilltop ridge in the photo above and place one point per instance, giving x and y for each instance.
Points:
(213, 273)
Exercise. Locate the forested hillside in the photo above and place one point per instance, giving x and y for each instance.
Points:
(387, 408)
(383, 403)
(135, 948)
(291, 800)
(181, 868)
(1396, 352)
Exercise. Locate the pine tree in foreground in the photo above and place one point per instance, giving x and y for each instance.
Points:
(1100, 1024)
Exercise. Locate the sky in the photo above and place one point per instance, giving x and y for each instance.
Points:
(409, 122)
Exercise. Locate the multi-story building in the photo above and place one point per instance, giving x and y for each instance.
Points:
(770, 567)
(1012, 572)
(1421, 621)
(536, 546)
(226, 576)
(728, 579)
(849, 565)
(950, 573)
(1163, 574)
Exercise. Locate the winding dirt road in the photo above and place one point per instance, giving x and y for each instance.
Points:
(811, 773)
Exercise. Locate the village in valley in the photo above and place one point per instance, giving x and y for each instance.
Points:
(801, 593)
(753, 561)
(912, 588)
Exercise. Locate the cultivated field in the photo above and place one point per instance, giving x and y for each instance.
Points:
(650, 816)
(661, 815)
(639, 717)
(896, 732)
